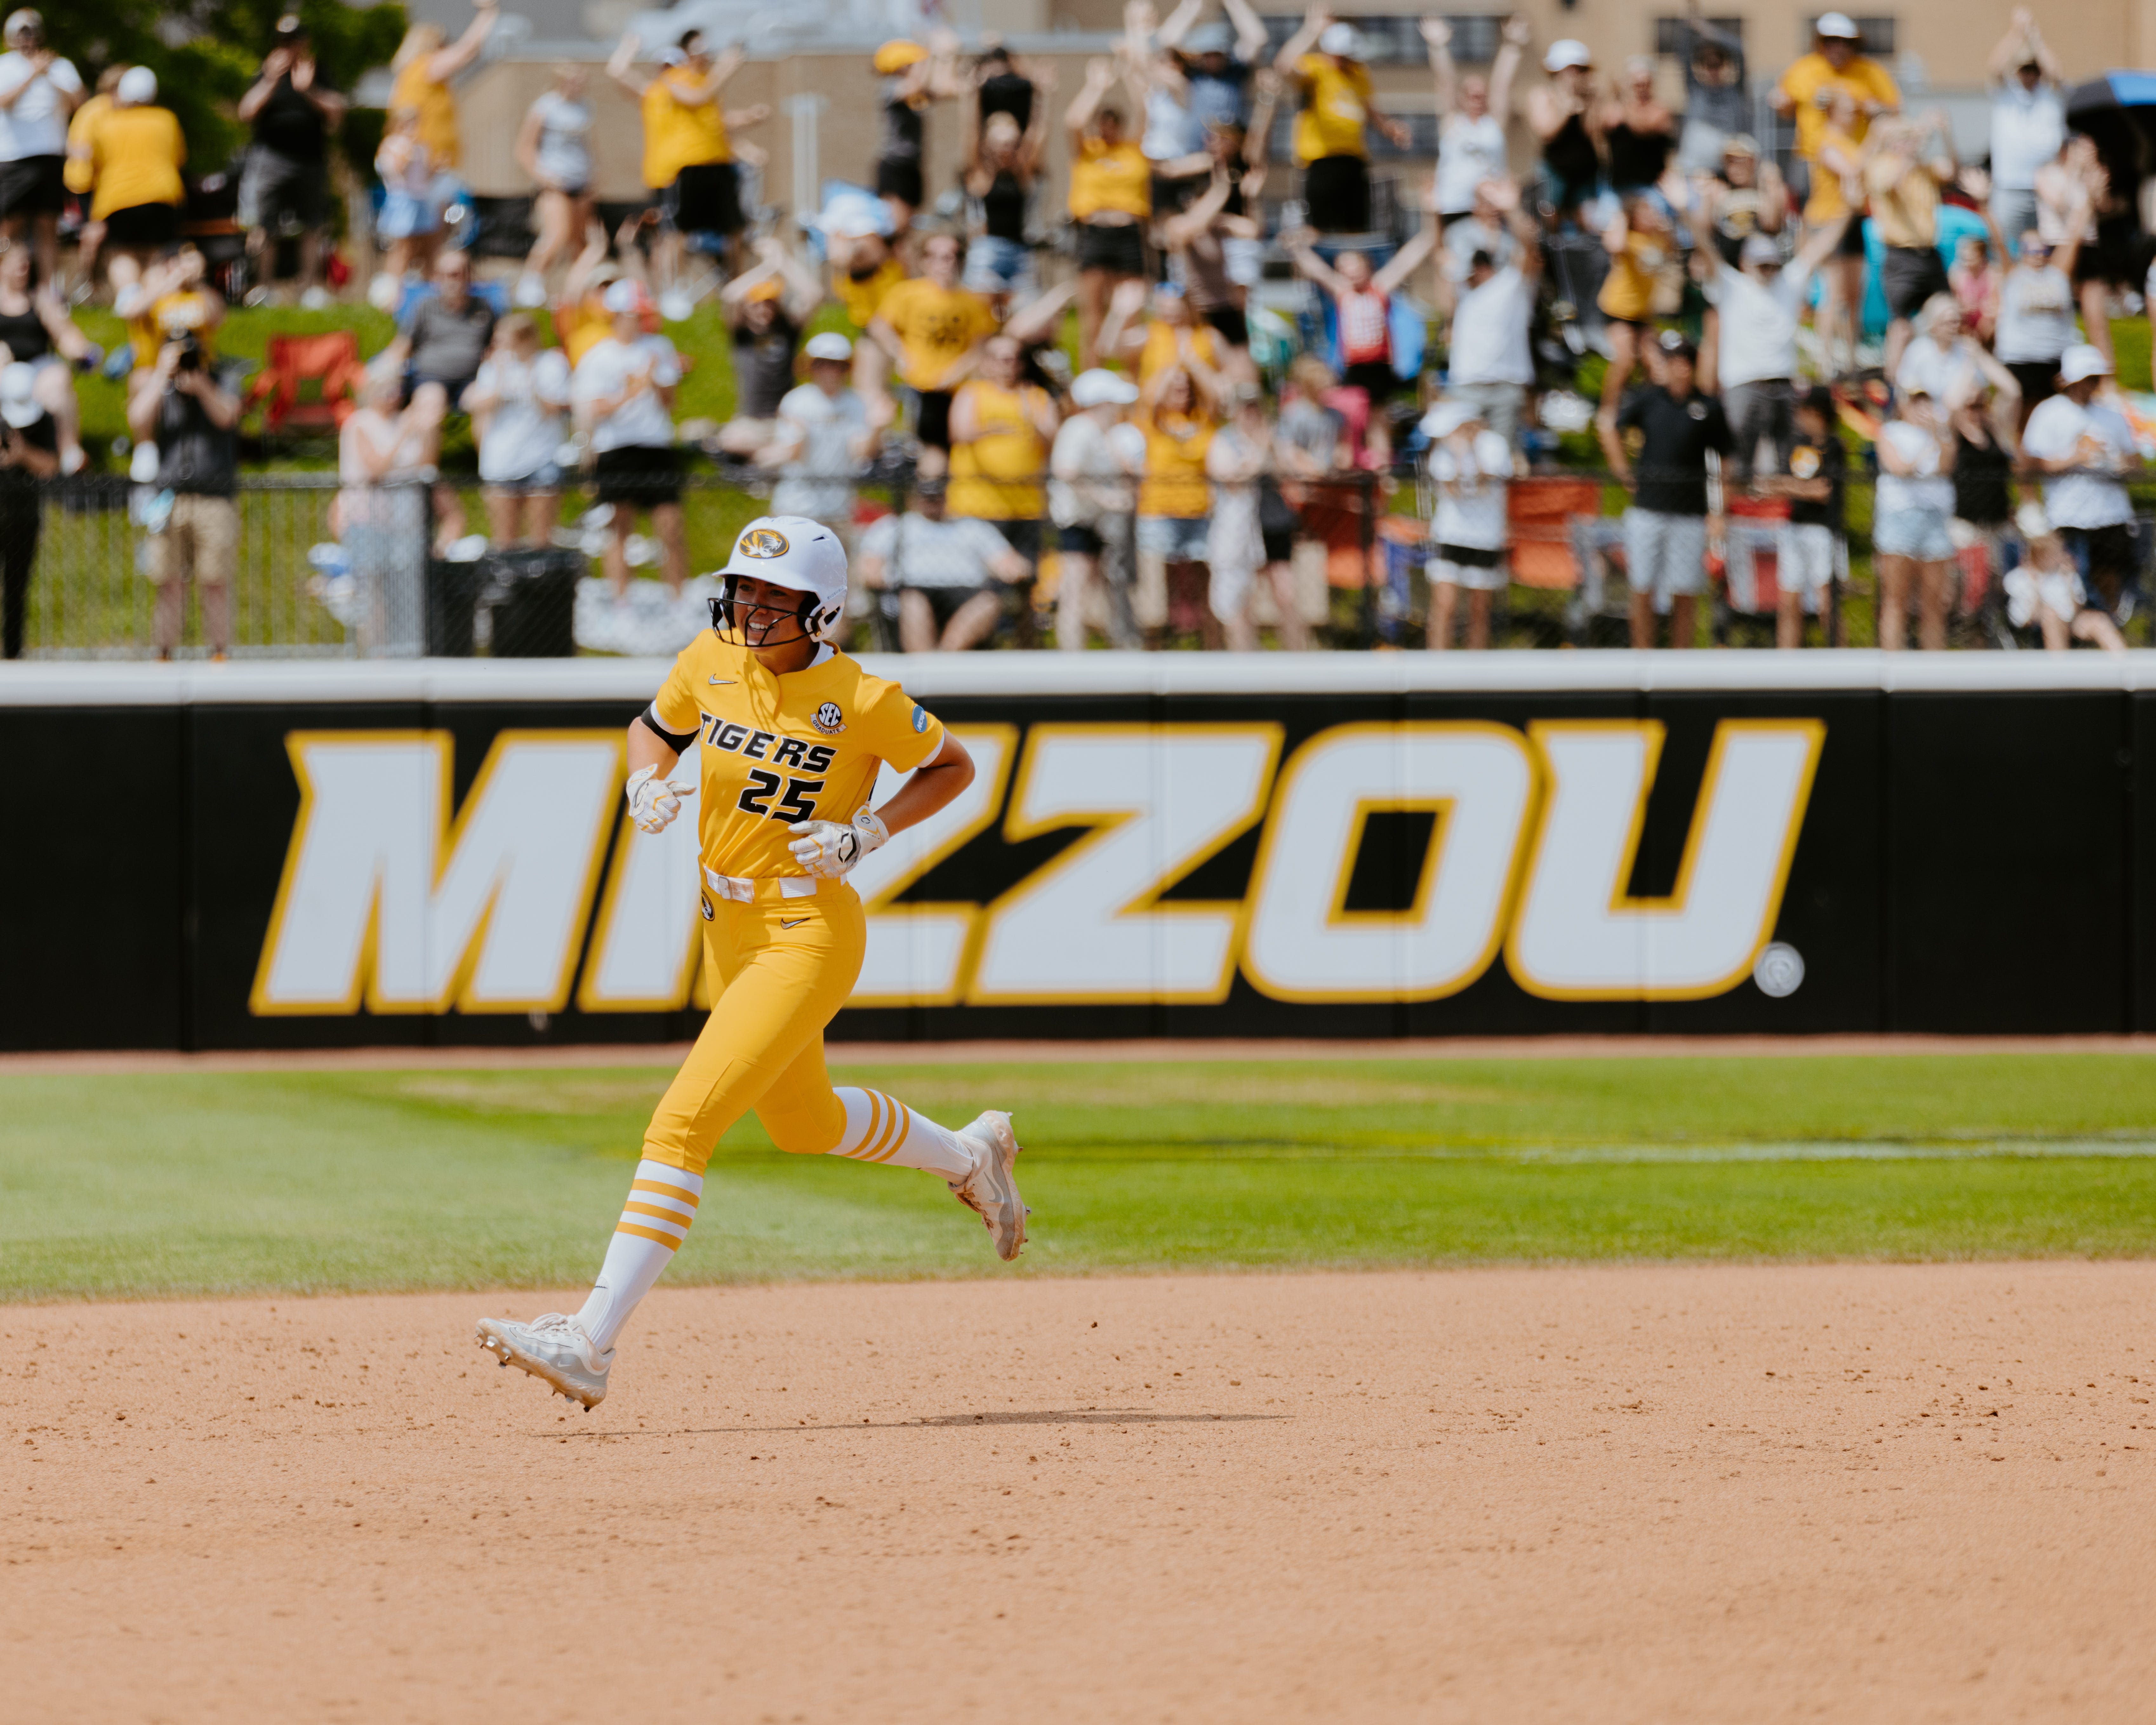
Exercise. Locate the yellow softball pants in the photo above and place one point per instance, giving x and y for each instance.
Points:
(778, 972)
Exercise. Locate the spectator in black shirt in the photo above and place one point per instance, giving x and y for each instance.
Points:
(30, 451)
(1666, 529)
(177, 407)
(765, 308)
(285, 186)
(1807, 555)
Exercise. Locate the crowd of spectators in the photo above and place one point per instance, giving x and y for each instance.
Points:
(1208, 467)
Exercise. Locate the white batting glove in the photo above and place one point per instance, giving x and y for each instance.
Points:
(653, 800)
(830, 850)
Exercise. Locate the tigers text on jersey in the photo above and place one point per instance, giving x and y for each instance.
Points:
(775, 749)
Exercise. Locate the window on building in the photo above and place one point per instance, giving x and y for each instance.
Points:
(1672, 38)
(1395, 40)
(1875, 35)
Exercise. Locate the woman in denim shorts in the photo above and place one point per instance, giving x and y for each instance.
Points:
(1910, 512)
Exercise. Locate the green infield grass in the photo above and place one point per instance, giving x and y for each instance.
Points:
(317, 1182)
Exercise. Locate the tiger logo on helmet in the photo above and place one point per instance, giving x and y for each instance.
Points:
(792, 551)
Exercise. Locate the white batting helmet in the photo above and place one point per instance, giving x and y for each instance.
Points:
(792, 552)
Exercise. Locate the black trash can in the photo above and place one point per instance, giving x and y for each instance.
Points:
(530, 599)
(453, 596)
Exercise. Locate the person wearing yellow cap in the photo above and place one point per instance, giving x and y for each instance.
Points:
(688, 147)
(765, 308)
(913, 80)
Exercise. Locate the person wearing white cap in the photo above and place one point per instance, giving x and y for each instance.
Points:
(1470, 464)
(30, 451)
(2084, 447)
(518, 403)
(1092, 500)
(824, 435)
(1836, 63)
(136, 153)
(790, 738)
(2048, 591)
(1339, 103)
(38, 91)
(1566, 122)
(1757, 307)
(624, 393)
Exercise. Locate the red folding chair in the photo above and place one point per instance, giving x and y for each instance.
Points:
(310, 383)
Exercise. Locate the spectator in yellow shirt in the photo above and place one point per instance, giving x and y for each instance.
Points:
(1337, 105)
(1110, 203)
(688, 145)
(1001, 429)
(80, 172)
(425, 62)
(1178, 415)
(933, 330)
(135, 151)
(1835, 63)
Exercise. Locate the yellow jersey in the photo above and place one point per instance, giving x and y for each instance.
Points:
(1827, 203)
(79, 174)
(1110, 178)
(864, 298)
(580, 325)
(775, 749)
(1904, 203)
(437, 106)
(1336, 103)
(166, 316)
(1158, 352)
(1628, 291)
(1863, 78)
(997, 476)
(1174, 484)
(937, 327)
(135, 155)
(678, 134)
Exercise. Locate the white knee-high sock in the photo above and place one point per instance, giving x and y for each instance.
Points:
(662, 1203)
(880, 1129)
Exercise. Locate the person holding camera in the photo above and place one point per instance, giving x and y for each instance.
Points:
(285, 186)
(190, 424)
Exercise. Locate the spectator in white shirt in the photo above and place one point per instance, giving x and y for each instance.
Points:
(1941, 358)
(1239, 462)
(1756, 308)
(1093, 501)
(949, 573)
(1470, 136)
(1491, 364)
(2084, 447)
(1481, 229)
(1911, 508)
(623, 394)
(2048, 591)
(823, 436)
(2035, 320)
(2028, 121)
(1470, 466)
(519, 406)
(38, 95)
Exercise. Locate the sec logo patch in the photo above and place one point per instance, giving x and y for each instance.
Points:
(828, 719)
(764, 542)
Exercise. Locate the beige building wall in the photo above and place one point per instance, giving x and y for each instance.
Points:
(1950, 41)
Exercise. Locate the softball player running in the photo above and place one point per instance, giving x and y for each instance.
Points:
(789, 734)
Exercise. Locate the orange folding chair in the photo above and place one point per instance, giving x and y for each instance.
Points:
(309, 383)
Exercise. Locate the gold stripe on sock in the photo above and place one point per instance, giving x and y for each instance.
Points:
(634, 1208)
(893, 1132)
(861, 1152)
(905, 1120)
(626, 1226)
(662, 1190)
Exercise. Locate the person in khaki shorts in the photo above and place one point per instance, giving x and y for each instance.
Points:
(176, 409)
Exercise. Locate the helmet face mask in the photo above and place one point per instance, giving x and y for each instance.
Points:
(729, 612)
(790, 554)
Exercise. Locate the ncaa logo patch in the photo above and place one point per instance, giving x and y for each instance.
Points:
(921, 719)
(828, 720)
(764, 542)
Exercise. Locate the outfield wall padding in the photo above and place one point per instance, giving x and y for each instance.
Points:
(296, 856)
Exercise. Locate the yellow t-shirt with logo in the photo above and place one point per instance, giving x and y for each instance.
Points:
(774, 750)
(1336, 103)
(437, 104)
(1105, 177)
(1863, 78)
(1174, 484)
(677, 135)
(864, 298)
(998, 474)
(937, 327)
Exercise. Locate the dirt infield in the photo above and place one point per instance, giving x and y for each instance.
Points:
(1866, 1493)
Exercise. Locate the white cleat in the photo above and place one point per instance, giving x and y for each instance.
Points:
(553, 1349)
(992, 1188)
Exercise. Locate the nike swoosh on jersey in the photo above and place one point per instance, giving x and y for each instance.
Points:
(795, 923)
(721, 680)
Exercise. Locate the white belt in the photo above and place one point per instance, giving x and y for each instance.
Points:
(743, 889)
